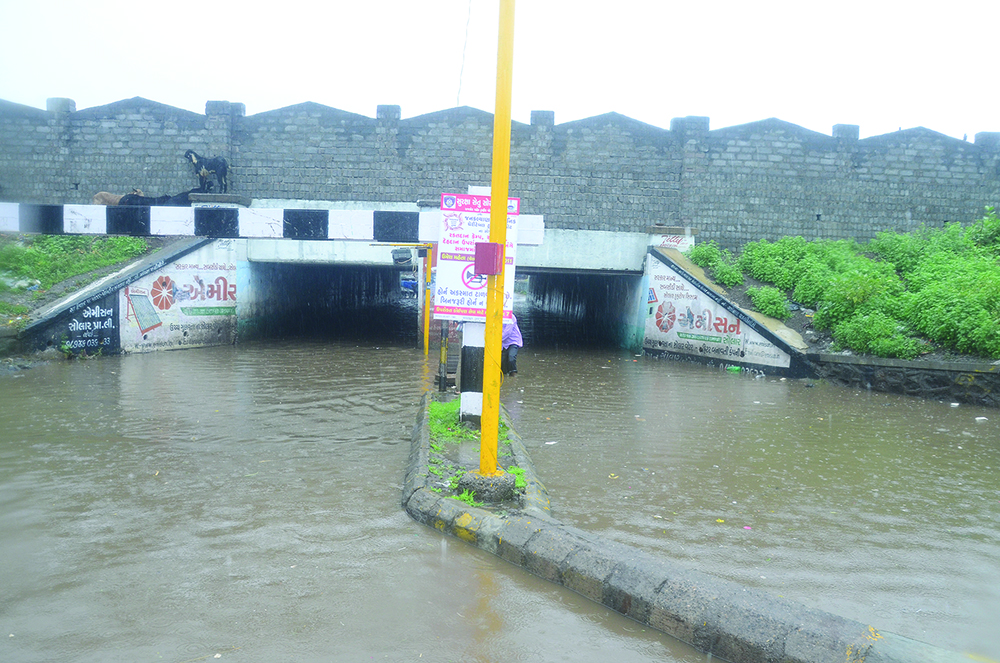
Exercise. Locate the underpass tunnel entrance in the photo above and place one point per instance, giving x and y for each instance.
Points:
(582, 309)
(382, 304)
(363, 302)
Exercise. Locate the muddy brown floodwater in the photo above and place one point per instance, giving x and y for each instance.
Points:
(880, 508)
(245, 502)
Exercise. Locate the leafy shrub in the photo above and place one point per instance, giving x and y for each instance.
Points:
(955, 301)
(719, 262)
(985, 233)
(758, 260)
(813, 280)
(770, 301)
(903, 251)
(877, 333)
(727, 274)
(940, 283)
(775, 262)
(706, 254)
(868, 286)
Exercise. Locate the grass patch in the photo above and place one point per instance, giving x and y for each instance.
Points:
(518, 472)
(447, 435)
(50, 259)
(444, 424)
(468, 497)
(7, 308)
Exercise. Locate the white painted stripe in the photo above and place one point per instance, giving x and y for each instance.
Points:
(429, 226)
(474, 334)
(261, 222)
(472, 403)
(171, 221)
(530, 229)
(9, 218)
(352, 224)
(85, 219)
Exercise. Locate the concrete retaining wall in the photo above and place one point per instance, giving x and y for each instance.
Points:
(955, 382)
(719, 617)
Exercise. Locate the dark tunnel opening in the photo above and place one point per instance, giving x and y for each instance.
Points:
(380, 304)
(354, 302)
(576, 309)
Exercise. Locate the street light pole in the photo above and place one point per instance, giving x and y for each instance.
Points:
(490, 419)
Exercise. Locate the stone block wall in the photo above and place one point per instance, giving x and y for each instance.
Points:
(771, 178)
(764, 180)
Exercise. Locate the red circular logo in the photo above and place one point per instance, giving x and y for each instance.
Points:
(665, 316)
(163, 293)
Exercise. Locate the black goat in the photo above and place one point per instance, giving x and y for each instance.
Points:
(180, 200)
(204, 168)
(137, 200)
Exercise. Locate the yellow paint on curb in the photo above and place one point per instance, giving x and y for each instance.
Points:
(462, 530)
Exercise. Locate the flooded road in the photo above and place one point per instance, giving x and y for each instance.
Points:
(880, 508)
(245, 502)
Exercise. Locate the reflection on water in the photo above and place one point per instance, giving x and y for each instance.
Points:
(881, 508)
(246, 502)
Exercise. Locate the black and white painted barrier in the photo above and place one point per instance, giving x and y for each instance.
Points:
(235, 222)
(215, 222)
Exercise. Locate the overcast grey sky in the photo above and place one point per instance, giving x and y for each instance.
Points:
(880, 65)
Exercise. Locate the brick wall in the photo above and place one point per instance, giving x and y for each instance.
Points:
(761, 180)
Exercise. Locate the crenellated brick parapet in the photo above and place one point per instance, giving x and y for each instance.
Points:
(764, 179)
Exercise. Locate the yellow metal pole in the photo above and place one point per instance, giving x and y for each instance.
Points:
(490, 418)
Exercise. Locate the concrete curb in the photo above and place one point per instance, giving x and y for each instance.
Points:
(716, 616)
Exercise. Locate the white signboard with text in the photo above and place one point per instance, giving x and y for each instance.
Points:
(684, 320)
(188, 303)
(460, 294)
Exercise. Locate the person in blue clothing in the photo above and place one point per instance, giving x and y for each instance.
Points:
(510, 343)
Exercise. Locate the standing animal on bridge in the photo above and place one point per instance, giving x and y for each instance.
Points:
(105, 198)
(206, 167)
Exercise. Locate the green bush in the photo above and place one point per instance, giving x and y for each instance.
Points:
(813, 280)
(985, 233)
(878, 334)
(940, 283)
(727, 274)
(770, 301)
(706, 254)
(719, 262)
(955, 302)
